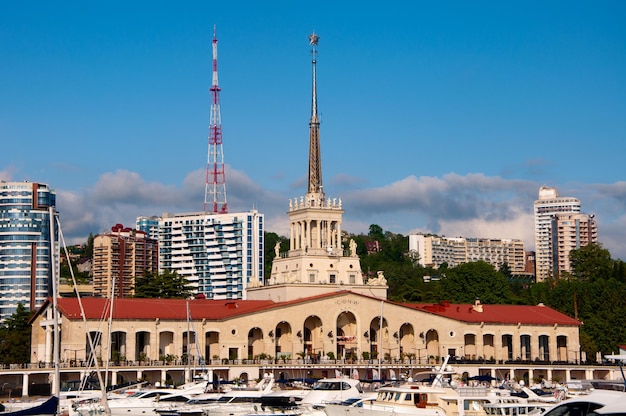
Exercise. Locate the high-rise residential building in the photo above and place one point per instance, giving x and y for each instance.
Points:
(28, 249)
(546, 207)
(149, 225)
(570, 232)
(218, 254)
(433, 251)
(119, 257)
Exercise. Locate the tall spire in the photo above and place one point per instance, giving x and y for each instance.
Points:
(315, 189)
(215, 181)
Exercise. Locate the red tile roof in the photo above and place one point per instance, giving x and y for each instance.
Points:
(176, 309)
(166, 309)
(498, 314)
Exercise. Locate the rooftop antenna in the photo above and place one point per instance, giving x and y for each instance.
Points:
(215, 181)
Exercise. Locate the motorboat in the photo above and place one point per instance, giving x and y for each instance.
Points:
(597, 402)
(141, 402)
(516, 408)
(404, 399)
(333, 390)
(234, 401)
(269, 401)
(42, 407)
(193, 407)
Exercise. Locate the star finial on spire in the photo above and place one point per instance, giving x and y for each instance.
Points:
(313, 39)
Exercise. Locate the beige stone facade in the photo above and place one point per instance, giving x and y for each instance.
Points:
(343, 323)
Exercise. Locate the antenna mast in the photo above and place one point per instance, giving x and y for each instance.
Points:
(215, 181)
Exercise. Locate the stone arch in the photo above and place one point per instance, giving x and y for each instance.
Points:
(96, 339)
(543, 347)
(312, 336)
(166, 344)
(525, 348)
(469, 346)
(118, 346)
(142, 345)
(406, 340)
(283, 339)
(189, 343)
(256, 346)
(212, 345)
(489, 346)
(507, 346)
(432, 343)
(346, 335)
(561, 348)
(377, 337)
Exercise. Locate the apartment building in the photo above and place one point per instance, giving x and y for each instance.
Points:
(28, 248)
(570, 232)
(149, 225)
(433, 251)
(218, 254)
(546, 207)
(119, 256)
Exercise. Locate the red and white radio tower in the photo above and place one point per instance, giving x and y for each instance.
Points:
(215, 188)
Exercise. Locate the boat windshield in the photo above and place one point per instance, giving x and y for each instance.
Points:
(331, 385)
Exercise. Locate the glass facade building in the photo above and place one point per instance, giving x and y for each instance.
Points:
(149, 225)
(26, 252)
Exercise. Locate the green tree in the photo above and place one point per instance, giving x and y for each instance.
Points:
(168, 285)
(89, 246)
(15, 335)
(591, 262)
(376, 232)
(469, 281)
(269, 250)
(505, 270)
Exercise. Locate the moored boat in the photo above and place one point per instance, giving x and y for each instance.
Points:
(43, 407)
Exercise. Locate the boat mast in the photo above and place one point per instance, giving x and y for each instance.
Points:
(109, 352)
(189, 376)
(104, 402)
(56, 358)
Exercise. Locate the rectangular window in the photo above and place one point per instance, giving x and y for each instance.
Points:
(332, 278)
(352, 279)
(311, 277)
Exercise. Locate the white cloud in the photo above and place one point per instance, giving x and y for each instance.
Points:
(6, 174)
(473, 205)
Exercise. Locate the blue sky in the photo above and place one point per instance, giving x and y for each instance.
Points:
(440, 117)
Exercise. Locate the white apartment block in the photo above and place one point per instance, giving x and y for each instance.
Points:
(546, 207)
(433, 251)
(570, 232)
(218, 254)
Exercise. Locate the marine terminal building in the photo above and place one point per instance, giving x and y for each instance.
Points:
(315, 308)
(344, 323)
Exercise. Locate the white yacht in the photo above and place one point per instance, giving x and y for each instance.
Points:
(141, 402)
